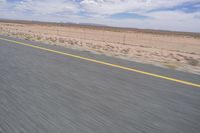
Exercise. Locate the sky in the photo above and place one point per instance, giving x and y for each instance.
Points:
(174, 15)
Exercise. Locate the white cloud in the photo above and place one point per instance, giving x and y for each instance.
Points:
(174, 20)
(108, 7)
(178, 21)
(172, 15)
(2, 3)
(47, 6)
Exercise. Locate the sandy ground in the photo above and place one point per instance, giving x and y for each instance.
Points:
(181, 52)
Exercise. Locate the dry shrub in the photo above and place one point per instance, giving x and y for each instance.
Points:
(39, 37)
(27, 37)
(61, 40)
(70, 42)
(193, 62)
(125, 51)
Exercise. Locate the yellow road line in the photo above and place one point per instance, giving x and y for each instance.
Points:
(106, 63)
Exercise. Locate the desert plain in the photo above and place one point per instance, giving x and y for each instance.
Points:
(174, 50)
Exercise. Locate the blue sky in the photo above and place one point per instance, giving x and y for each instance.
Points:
(178, 15)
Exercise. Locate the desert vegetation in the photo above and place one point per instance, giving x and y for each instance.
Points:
(168, 49)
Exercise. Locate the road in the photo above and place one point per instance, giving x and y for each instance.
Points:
(46, 92)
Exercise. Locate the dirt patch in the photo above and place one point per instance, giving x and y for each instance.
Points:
(180, 52)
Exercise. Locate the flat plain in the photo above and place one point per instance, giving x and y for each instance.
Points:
(174, 50)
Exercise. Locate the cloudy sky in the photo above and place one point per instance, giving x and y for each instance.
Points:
(178, 15)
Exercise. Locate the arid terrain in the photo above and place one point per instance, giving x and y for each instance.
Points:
(174, 50)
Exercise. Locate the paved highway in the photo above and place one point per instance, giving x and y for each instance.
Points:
(47, 92)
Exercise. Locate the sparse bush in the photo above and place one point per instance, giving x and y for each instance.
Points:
(61, 40)
(71, 42)
(28, 37)
(125, 51)
(193, 62)
(39, 38)
(52, 39)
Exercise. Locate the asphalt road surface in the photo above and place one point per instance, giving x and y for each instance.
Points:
(45, 92)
